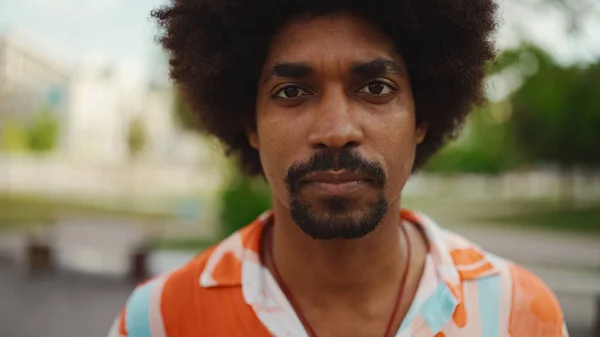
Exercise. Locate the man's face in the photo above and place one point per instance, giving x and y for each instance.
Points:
(335, 126)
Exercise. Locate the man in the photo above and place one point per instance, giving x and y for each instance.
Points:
(336, 103)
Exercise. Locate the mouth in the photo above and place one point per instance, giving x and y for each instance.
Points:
(336, 182)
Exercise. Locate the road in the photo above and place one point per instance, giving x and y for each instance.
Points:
(65, 306)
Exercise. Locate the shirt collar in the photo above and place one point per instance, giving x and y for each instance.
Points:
(236, 260)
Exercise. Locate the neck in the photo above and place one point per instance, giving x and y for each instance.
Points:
(334, 271)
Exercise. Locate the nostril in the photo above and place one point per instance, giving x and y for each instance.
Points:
(351, 145)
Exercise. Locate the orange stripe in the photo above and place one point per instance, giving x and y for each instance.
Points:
(460, 315)
(122, 324)
(229, 268)
(251, 235)
(465, 257)
(409, 216)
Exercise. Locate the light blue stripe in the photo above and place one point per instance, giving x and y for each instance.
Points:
(438, 308)
(137, 317)
(489, 305)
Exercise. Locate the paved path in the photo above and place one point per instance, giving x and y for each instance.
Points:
(66, 306)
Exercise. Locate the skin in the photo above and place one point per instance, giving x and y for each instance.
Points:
(343, 287)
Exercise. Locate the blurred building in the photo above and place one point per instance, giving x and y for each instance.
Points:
(31, 80)
(104, 104)
(97, 115)
(97, 105)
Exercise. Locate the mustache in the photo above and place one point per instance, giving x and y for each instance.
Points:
(329, 159)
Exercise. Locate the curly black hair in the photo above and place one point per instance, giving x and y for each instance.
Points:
(219, 46)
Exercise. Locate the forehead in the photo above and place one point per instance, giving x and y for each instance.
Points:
(339, 38)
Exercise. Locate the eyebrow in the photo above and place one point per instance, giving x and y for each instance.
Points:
(370, 69)
(288, 70)
(377, 68)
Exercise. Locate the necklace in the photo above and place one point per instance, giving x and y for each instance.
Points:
(290, 297)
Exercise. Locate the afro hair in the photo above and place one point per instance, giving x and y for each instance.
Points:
(219, 46)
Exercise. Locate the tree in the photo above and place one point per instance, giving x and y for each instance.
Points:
(183, 114)
(243, 199)
(486, 145)
(13, 136)
(136, 137)
(557, 116)
(43, 131)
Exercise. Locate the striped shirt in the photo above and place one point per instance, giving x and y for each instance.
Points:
(226, 291)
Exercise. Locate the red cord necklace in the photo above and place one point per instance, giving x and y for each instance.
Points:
(290, 297)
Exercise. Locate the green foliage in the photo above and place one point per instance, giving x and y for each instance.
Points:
(185, 244)
(585, 220)
(243, 199)
(553, 117)
(184, 116)
(39, 135)
(21, 210)
(507, 59)
(43, 131)
(13, 136)
(485, 147)
(557, 113)
(136, 137)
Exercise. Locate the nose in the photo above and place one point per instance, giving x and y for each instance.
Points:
(335, 123)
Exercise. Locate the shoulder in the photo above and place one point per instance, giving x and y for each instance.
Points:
(146, 304)
(535, 310)
(526, 305)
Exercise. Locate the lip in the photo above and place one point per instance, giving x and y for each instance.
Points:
(336, 182)
(336, 177)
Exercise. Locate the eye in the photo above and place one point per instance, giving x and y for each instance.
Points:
(377, 88)
(290, 92)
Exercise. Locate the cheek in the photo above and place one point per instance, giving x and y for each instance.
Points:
(397, 141)
(276, 141)
(278, 149)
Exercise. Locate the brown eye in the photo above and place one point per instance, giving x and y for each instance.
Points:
(377, 88)
(290, 92)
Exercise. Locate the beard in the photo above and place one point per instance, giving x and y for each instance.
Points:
(337, 217)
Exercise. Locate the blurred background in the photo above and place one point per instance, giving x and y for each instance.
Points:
(104, 182)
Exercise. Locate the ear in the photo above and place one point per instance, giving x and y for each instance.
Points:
(421, 132)
(252, 136)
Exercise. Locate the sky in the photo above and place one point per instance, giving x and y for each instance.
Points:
(115, 32)
(120, 32)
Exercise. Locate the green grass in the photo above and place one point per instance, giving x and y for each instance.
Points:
(20, 211)
(584, 220)
(534, 214)
(188, 244)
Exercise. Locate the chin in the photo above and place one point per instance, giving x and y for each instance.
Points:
(338, 218)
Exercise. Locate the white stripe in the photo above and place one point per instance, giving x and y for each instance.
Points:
(505, 295)
(473, 266)
(234, 245)
(564, 330)
(157, 327)
(471, 300)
